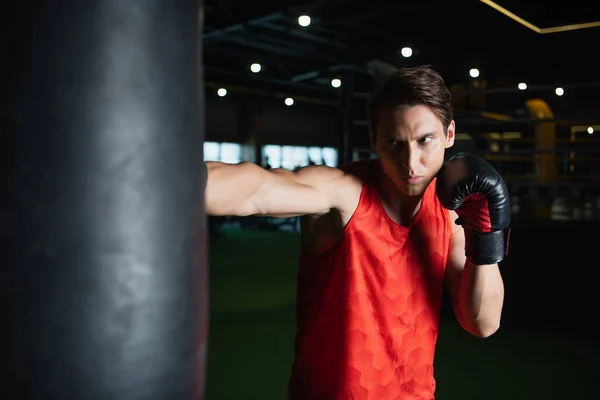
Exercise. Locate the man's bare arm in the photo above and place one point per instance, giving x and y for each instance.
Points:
(246, 189)
(477, 291)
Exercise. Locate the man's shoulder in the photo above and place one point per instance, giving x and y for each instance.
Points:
(361, 169)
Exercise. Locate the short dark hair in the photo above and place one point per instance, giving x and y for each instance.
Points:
(411, 87)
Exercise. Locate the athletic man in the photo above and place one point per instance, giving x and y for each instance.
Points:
(379, 240)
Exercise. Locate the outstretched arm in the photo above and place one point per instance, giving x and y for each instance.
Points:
(246, 189)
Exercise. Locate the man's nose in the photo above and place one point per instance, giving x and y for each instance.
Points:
(409, 157)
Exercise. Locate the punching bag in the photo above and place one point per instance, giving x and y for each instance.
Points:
(104, 265)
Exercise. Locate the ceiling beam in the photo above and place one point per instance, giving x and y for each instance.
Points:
(269, 80)
(537, 29)
(221, 33)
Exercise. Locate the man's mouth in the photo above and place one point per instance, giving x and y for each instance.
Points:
(412, 179)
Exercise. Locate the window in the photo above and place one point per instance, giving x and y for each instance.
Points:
(225, 152)
(211, 151)
(330, 155)
(294, 157)
(231, 153)
(272, 156)
(316, 155)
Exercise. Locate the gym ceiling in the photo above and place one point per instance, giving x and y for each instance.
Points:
(508, 41)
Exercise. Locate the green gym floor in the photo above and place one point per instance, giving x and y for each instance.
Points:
(252, 326)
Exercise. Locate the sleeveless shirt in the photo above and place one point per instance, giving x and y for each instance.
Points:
(368, 310)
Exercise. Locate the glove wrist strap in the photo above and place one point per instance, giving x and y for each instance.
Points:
(484, 248)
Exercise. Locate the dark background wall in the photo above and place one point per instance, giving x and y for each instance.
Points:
(240, 117)
(551, 278)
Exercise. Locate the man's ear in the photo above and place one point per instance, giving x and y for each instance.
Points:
(450, 134)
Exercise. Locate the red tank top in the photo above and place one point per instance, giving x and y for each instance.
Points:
(368, 310)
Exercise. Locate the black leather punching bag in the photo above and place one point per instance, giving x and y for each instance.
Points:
(104, 265)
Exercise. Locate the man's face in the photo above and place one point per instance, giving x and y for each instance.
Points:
(410, 143)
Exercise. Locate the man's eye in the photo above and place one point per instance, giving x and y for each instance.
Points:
(426, 139)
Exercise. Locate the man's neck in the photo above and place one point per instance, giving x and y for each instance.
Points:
(400, 207)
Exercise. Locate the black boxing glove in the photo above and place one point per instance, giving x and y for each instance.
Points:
(474, 189)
